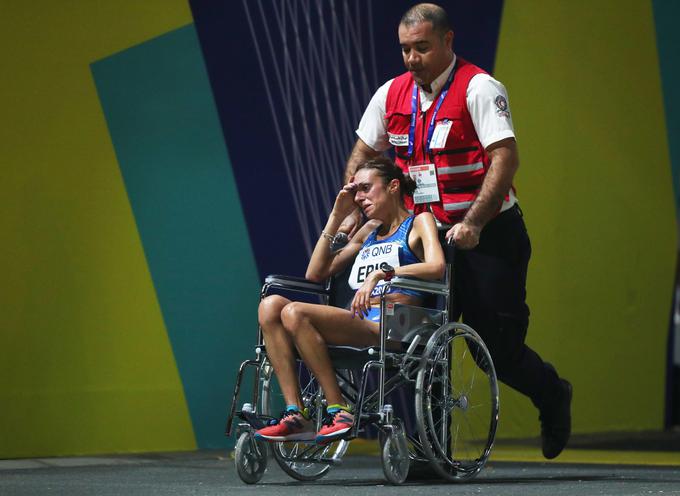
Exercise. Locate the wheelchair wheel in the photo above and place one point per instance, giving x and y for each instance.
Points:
(250, 457)
(395, 455)
(456, 402)
(301, 460)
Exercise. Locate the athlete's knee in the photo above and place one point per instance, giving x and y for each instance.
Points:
(293, 317)
(269, 311)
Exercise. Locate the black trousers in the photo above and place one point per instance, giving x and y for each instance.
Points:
(490, 293)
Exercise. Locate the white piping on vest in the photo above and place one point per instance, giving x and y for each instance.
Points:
(458, 169)
(457, 205)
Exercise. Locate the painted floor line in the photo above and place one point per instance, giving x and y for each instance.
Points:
(509, 453)
(588, 456)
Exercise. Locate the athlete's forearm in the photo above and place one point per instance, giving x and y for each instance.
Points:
(424, 270)
(319, 266)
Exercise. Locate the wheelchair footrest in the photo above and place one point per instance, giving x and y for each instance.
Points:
(255, 421)
(369, 418)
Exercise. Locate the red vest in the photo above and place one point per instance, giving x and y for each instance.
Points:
(462, 164)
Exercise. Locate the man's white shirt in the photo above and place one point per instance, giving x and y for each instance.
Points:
(487, 103)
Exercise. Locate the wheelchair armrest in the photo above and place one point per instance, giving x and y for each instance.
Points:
(293, 283)
(432, 287)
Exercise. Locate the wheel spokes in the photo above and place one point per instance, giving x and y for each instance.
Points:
(458, 401)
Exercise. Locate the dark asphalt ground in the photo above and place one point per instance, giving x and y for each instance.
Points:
(212, 473)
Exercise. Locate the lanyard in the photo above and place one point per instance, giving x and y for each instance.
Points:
(414, 113)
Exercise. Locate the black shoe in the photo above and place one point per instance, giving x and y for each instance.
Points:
(555, 420)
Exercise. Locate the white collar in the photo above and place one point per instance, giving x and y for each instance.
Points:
(440, 80)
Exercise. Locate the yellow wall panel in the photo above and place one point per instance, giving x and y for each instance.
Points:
(595, 186)
(85, 363)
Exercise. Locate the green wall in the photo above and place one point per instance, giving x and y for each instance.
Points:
(85, 361)
(595, 185)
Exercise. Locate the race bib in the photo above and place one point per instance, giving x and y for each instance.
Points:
(372, 258)
(425, 177)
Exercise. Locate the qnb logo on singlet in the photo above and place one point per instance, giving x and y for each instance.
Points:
(372, 258)
(365, 253)
(376, 250)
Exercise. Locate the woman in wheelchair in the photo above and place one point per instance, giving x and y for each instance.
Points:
(402, 245)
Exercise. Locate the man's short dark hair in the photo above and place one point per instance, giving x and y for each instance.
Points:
(427, 12)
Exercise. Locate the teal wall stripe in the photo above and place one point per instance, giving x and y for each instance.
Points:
(666, 16)
(164, 127)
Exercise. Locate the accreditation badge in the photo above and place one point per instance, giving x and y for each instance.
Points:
(425, 177)
(440, 135)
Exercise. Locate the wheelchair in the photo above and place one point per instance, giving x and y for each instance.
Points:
(445, 367)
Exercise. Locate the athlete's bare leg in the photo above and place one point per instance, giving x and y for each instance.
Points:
(314, 327)
(280, 347)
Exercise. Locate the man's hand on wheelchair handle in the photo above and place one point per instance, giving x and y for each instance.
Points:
(464, 235)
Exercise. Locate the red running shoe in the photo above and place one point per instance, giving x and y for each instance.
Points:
(293, 426)
(337, 425)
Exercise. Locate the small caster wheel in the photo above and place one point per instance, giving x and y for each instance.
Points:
(250, 457)
(395, 457)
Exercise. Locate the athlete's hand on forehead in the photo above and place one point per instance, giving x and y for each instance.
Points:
(351, 186)
(344, 202)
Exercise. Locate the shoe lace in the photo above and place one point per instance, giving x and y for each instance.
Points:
(283, 415)
(329, 418)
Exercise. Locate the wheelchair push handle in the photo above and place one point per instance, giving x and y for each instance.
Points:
(449, 250)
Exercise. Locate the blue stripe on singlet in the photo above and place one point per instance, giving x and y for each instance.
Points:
(406, 255)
